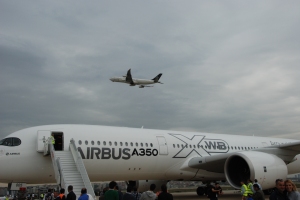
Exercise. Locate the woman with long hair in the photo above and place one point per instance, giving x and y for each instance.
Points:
(291, 189)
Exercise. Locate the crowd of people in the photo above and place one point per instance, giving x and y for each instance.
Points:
(113, 193)
(284, 190)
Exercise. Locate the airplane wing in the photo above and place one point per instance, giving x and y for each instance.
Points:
(129, 77)
(215, 163)
(295, 146)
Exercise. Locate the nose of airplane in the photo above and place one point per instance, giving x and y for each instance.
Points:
(112, 79)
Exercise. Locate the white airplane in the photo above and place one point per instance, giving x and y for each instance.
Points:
(132, 82)
(141, 155)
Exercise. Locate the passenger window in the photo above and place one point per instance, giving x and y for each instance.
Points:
(121, 143)
(116, 144)
(151, 144)
(98, 142)
(131, 144)
(194, 147)
(92, 142)
(136, 144)
(141, 144)
(86, 142)
(190, 146)
(126, 144)
(178, 145)
(173, 145)
(104, 143)
(79, 142)
(146, 144)
(110, 143)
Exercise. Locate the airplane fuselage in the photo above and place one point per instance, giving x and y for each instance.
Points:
(135, 81)
(119, 153)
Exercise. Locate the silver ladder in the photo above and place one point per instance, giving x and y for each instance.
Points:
(69, 168)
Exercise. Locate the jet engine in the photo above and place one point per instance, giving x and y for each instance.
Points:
(266, 168)
(144, 185)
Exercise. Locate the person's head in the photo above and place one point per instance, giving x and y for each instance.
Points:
(129, 188)
(52, 134)
(117, 187)
(134, 188)
(216, 184)
(242, 182)
(290, 186)
(112, 185)
(256, 187)
(62, 191)
(104, 190)
(163, 188)
(49, 190)
(152, 187)
(83, 191)
(280, 185)
(70, 188)
(255, 180)
(249, 181)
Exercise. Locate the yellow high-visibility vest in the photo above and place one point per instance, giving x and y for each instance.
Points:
(249, 188)
(52, 139)
(245, 189)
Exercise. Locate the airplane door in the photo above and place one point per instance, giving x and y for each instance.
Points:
(42, 136)
(163, 148)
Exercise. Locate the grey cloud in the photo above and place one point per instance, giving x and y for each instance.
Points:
(227, 68)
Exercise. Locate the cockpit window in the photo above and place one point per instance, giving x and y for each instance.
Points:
(10, 142)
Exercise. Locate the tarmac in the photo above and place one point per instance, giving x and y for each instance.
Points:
(228, 195)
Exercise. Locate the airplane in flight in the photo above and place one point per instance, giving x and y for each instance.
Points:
(132, 82)
(145, 156)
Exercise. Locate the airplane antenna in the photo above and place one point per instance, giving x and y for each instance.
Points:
(142, 127)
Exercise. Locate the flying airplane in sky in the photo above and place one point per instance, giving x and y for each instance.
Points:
(132, 82)
(144, 156)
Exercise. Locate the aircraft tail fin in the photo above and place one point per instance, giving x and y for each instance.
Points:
(157, 78)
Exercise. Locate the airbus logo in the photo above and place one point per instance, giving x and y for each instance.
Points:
(12, 153)
(199, 145)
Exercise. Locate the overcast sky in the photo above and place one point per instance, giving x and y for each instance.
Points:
(230, 67)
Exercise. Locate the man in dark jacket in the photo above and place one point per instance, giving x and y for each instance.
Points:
(71, 195)
(279, 191)
(164, 195)
(128, 195)
(258, 194)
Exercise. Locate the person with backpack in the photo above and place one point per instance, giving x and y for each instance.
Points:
(61, 195)
(49, 195)
(135, 193)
